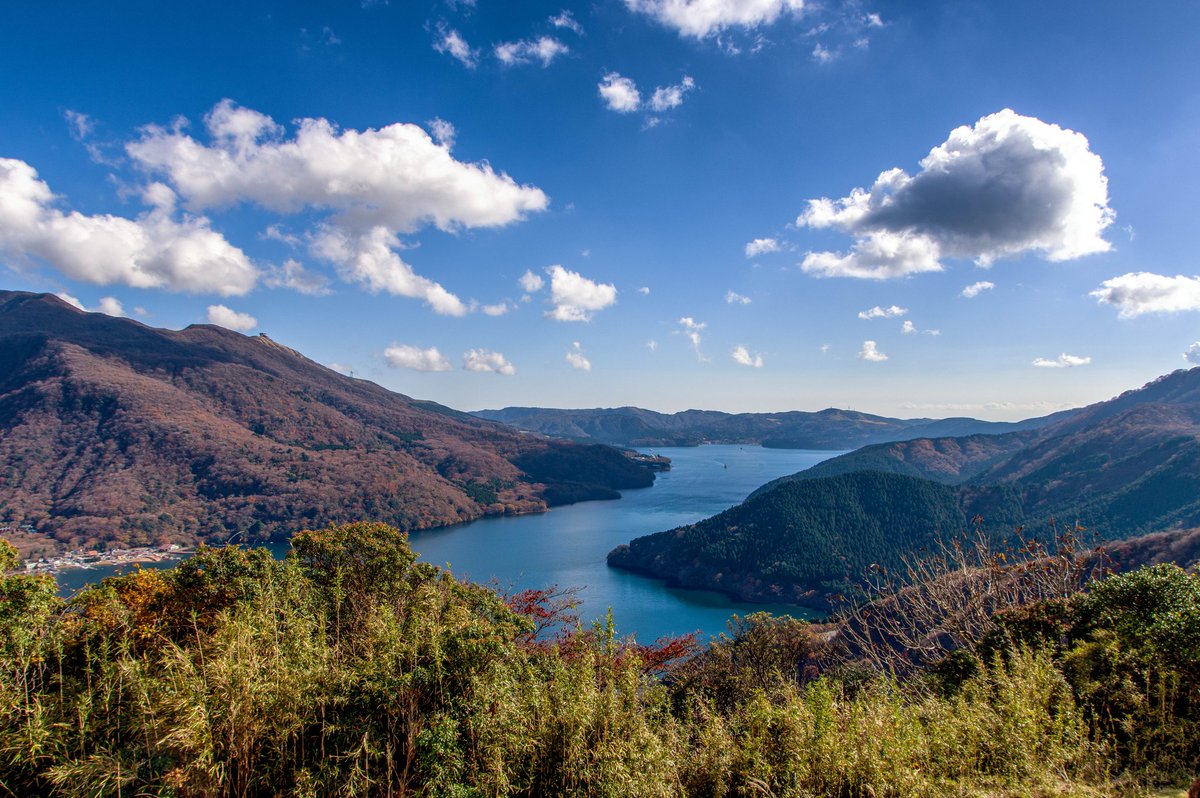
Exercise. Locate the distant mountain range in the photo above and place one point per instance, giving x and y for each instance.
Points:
(113, 431)
(1124, 467)
(829, 429)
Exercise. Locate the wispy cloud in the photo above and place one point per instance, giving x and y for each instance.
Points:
(741, 354)
(878, 312)
(1063, 361)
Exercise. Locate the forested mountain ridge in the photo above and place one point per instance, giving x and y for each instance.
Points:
(825, 429)
(1126, 467)
(111, 430)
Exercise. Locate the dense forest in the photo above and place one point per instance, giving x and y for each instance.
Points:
(1122, 468)
(351, 669)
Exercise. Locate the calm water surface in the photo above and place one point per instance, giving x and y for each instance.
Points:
(568, 545)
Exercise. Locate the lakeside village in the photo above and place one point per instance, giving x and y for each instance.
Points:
(94, 558)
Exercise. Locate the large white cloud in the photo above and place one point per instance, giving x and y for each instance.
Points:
(1007, 185)
(702, 18)
(231, 319)
(1192, 354)
(397, 176)
(153, 250)
(1144, 292)
(575, 297)
(486, 360)
(404, 356)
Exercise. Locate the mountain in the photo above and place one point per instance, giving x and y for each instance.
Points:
(113, 431)
(824, 429)
(1121, 468)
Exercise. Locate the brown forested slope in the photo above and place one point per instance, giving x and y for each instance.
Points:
(114, 431)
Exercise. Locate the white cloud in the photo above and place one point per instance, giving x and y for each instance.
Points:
(870, 352)
(566, 20)
(453, 44)
(275, 232)
(692, 329)
(341, 368)
(531, 283)
(371, 261)
(1008, 185)
(486, 360)
(1144, 292)
(81, 124)
(823, 55)
(442, 131)
(577, 359)
(404, 356)
(231, 319)
(668, 97)
(975, 289)
(652, 346)
(153, 250)
(543, 48)
(908, 328)
(644, 290)
(499, 309)
(111, 306)
(1063, 361)
(741, 354)
(575, 297)
(620, 94)
(703, 18)
(82, 127)
(395, 177)
(878, 312)
(1192, 354)
(70, 300)
(873, 20)
(761, 246)
(293, 275)
(733, 297)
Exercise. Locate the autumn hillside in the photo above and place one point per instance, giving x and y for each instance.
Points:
(111, 431)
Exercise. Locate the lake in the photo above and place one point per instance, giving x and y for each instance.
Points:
(567, 546)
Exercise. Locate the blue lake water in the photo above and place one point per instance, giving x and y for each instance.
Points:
(568, 545)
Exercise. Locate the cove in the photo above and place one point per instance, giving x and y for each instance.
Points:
(567, 546)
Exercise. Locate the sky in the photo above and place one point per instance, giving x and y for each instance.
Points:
(911, 209)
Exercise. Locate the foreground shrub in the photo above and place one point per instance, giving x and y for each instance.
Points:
(352, 669)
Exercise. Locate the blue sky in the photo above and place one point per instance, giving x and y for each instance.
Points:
(620, 202)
